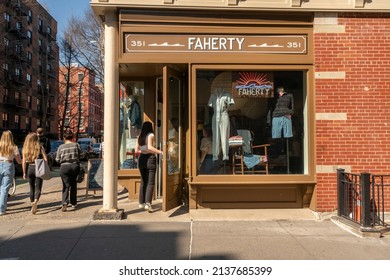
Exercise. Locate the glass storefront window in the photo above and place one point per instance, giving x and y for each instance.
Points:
(130, 121)
(238, 111)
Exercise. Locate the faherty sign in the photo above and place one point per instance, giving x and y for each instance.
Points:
(253, 85)
(295, 44)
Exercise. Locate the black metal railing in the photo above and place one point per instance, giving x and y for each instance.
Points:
(361, 197)
(378, 186)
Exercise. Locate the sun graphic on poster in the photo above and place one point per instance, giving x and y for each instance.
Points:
(249, 78)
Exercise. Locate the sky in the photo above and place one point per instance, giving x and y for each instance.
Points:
(62, 10)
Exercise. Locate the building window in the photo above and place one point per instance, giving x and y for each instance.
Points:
(39, 123)
(48, 67)
(28, 123)
(18, 73)
(40, 25)
(29, 101)
(5, 69)
(251, 113)
(29, 36)
(5, 120)
(40, 66)
(19, 25)
(80, 77)
(19, 49)
(7, 17)
(5, 96)
(39, 107)
(29, 16)
(28, 77)
(29, 58)
(48, 30)
(81, 108)
(6, 43)
(17, 121)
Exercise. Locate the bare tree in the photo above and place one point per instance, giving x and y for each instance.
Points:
(87, 34)
(82, 43)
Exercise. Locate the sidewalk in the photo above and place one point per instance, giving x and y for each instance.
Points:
(293, 234)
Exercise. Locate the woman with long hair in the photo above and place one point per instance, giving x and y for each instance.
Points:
(147, 164)
(8, 152)
(68, 155)
(33, 150)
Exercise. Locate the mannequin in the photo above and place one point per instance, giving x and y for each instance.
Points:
(281, 116)
(281, 120)
(221, 100)
(134, 115)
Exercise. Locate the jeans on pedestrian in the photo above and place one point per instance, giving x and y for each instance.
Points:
(147, 165)
(7, 173)
(68, 173)
(35, 183)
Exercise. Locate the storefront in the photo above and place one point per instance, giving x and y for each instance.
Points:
(209, 79)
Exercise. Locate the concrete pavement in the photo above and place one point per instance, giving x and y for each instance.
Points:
(293, 234)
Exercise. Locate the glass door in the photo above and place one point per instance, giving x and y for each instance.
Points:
(172, 139)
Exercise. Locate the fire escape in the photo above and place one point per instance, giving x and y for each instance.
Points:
(14, 58)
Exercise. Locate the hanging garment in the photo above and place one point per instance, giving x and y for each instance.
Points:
(221, 101)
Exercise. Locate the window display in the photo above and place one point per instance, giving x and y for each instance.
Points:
(239, 112)
(130, 122)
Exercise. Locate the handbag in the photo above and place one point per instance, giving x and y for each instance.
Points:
(42, 169)
(81, 175)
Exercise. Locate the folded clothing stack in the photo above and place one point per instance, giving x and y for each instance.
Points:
(235, 140)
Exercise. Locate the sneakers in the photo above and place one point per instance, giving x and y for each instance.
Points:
(141, 206)
(34, 207)
(63, 208)
(74, 206)
(148, 207)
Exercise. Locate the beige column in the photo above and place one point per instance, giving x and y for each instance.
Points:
(111, 113)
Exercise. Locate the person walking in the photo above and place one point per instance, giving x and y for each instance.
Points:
(68, 155)
(43, 140)
(147, 164)
(45, 143)
(8, 152)
(33, 150)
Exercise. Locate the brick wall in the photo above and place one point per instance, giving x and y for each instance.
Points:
(357, 84)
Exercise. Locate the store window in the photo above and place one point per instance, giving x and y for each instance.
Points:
(130, 121)
(245, 126)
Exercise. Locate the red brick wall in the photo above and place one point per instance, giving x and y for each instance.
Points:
(363, 140)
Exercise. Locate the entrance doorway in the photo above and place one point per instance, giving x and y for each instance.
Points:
(170, 131)
(170, 97)
(162, 94)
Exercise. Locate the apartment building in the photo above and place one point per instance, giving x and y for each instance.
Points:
(29, 59)
(82, 108)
